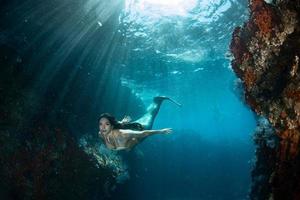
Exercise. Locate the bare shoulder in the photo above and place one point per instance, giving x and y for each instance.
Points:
(116, 131)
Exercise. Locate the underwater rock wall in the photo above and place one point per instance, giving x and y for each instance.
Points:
(48, 164)
(266, 58)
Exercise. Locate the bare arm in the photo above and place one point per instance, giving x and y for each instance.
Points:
(145, 132)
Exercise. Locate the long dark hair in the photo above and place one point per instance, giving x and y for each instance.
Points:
(117, 125)
(112, 120)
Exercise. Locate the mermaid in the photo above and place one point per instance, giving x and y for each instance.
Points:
(126, 134)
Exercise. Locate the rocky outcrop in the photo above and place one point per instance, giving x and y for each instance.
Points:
(266, 59)
(265, 159)
(48, 164)
(40, 159)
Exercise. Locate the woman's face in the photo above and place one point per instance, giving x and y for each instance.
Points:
(105, 126)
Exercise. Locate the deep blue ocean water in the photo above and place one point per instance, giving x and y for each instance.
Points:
(210, 153)
(89, 51)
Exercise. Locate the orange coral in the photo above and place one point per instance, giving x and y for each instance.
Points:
(289, 145)
(293, 94)
(264, 21)
(237, 46)
(249, 78)
(256, 4)
(263, 17)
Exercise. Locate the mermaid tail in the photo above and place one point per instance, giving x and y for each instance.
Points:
(148, 119)
(160, 99)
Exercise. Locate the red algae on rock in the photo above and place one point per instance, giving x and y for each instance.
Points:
(266, 59)
(263, 17)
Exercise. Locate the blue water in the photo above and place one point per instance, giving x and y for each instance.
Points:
(112, 56)
(210, 152)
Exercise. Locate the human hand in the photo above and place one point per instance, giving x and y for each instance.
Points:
(166, 130)
(126, 119)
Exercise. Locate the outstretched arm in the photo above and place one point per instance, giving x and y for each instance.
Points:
(146, 132)
(163, 131)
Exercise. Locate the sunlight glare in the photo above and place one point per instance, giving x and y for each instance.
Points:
(159, 8)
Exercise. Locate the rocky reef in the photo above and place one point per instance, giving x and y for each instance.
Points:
(48, 164)
(266, 58)
(41, 159)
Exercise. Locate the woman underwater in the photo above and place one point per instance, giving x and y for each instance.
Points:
(126, 134)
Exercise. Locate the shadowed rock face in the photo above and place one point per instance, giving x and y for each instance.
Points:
(39, 158)
(266, 58)
(45, 163)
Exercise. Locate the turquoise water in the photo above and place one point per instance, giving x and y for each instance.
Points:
(209, 154)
